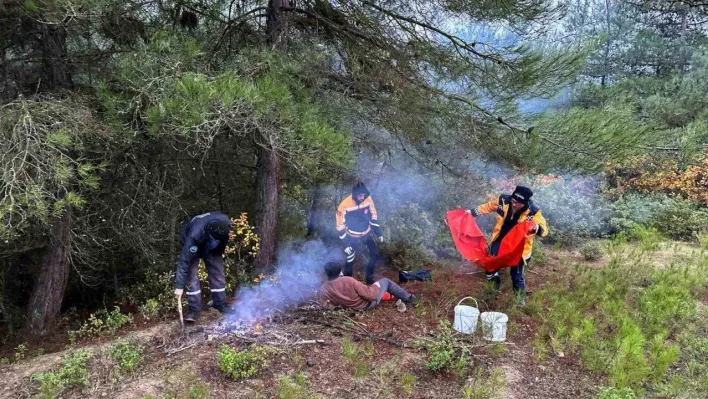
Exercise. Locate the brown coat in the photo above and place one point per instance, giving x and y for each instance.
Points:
(348, 292)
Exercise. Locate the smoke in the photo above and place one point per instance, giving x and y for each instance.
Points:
(575, 206)
(297, 278)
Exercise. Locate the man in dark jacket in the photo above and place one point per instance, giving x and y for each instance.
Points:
(204, 237)
(356, 220)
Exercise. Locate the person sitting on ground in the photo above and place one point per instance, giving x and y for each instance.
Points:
(348, 292)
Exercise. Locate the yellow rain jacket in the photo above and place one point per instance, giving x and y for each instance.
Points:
(502, 206)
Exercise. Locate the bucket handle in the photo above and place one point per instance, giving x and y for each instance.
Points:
(469, 297)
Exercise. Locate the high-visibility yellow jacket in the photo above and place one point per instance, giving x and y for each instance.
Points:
(357, 220)
(502, 206)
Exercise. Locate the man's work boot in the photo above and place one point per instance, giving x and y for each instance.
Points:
(191, 316)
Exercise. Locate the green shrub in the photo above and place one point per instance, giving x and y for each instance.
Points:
(693, 350)
(702, 240)
(198, 390)
(412, 238)
(184, 383)
(592, 251)
(574, 209)
(668, 302)
(150, 310)
(444, 245)
(442, 352)
(73, 372)
(243, 364)
(21, 352)
(634, 208)
(648, 237)
(462, 363)
(403, 256)
(154, 292)
(677, 218)
(412, 225)
(126, 356)
(681, 219)
(102, 323)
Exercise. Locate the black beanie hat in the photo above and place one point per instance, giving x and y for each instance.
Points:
(522, 194)
(359, 188)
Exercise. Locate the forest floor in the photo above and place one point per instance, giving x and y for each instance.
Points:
(336, 354)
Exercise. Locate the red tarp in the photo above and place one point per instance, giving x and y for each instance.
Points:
(472, 245)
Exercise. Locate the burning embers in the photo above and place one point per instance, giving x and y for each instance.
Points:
(240, 327)
(226, 326)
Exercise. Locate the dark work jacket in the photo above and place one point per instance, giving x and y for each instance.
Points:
(194, 240)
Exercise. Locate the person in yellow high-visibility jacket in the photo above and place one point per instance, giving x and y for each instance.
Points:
(511, 210)
(356, 220)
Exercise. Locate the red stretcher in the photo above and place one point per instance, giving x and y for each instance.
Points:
(472, 245)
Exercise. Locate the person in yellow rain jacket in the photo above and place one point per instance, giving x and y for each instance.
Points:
(356, 220)
(511, 210)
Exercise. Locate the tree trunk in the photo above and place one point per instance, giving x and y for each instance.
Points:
(605, 61)
(267, 204)
(314, 213)
(55, 67)
(267, 163)
(276, 23)
(48, 292)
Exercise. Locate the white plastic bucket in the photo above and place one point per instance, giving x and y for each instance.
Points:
(466, 317)
(494, 326)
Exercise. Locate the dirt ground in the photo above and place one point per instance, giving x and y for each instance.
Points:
(171, 364)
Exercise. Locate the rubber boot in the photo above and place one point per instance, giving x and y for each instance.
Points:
(191, 316)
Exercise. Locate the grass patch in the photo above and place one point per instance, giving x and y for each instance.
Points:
(628, 320)
(358, 356)
(484, 385)
(408, 381)
(293, 387)
(183, 384)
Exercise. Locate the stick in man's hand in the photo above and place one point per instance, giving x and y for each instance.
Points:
(179, 309)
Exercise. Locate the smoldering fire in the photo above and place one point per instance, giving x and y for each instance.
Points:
(297, 278)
